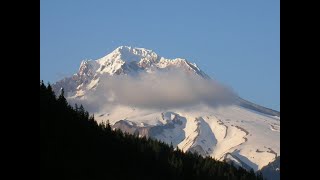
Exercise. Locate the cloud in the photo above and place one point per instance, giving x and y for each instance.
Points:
(170, 89)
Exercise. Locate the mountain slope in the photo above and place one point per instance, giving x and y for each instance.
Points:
(74, 146)
(272, 170)
(242, 132)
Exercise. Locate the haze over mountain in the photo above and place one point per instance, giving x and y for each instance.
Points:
(174, 101)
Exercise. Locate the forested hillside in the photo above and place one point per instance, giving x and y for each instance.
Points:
(74, 146)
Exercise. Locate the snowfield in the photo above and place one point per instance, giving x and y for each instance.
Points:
(213, 132)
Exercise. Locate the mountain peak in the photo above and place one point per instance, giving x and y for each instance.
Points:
(131, 49)
(126, 60)
(131, 60)
(132, 54)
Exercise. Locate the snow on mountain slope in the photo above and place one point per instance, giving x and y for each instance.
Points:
(209, 131)
(242, 132)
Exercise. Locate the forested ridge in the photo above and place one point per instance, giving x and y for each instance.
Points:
(75, 146)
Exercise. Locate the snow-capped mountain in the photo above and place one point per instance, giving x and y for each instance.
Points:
(242, 132)
(123, 60)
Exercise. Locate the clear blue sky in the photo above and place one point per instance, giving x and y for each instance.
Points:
(235, 42)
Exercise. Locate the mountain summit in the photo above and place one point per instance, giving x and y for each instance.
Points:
(124, 60)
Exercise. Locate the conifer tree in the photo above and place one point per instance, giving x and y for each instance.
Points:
(61, 98)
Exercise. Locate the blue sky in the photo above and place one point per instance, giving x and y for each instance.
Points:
(235, 42)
